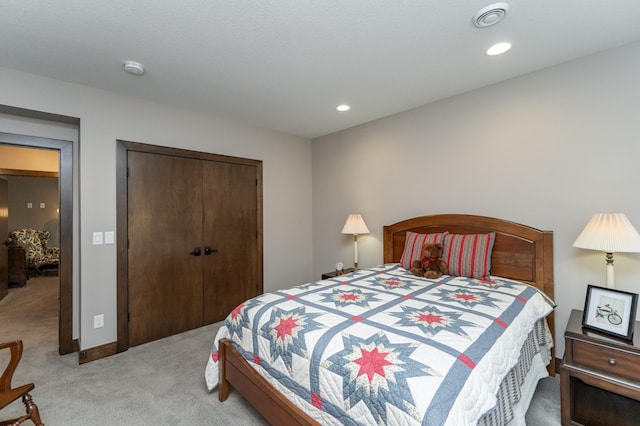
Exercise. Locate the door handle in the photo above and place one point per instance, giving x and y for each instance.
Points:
(197, 251)
(208, 250)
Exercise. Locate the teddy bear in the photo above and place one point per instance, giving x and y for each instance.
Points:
(431, 265)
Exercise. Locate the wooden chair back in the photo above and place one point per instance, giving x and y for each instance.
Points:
(9, 394)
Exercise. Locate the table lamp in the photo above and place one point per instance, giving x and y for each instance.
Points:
(355, 225)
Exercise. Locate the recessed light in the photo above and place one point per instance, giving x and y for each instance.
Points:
(343, 108)
(498, 48)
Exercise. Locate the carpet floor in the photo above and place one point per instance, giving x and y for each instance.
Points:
(158, 383)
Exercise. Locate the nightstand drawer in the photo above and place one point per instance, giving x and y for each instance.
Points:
(607, 360)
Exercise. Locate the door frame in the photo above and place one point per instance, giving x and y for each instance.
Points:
(122, 209)
(4, 229)
(66, 343)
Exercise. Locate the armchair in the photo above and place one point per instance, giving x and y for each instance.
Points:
(38, 256)
(9, 394)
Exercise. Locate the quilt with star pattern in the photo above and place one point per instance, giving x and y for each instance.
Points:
(381, 346)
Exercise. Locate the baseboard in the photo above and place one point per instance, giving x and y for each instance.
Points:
(92, 354)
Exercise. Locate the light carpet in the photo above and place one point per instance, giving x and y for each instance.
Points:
(158, 383)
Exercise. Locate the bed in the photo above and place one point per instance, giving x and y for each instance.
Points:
(298, 375)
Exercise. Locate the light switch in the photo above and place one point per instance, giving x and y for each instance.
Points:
(109, 237)
(97, 238)
(42, 205)
(29, 205)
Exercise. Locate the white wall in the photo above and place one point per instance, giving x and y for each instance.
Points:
(548, 149)
(105, 117)
(35, 190)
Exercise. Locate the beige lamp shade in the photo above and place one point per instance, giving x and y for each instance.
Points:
(355, 225)
(610, 233)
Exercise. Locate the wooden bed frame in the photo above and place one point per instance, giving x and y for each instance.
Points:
(520, 252)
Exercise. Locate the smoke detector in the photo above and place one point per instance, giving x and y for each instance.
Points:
(134, 68)
(490, 15)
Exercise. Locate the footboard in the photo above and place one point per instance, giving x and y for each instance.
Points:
(236, 372)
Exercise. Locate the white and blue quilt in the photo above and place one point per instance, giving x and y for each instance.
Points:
(381, 346)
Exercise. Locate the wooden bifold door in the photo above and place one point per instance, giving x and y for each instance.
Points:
(194, 241)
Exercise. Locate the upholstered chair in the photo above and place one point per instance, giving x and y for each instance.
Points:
(38, 255)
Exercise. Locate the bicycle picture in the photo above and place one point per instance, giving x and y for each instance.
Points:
(611, 311)
(608, 312)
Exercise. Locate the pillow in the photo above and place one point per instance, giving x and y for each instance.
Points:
(413, 245)
(469, 255)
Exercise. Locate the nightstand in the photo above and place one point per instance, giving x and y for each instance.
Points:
(336, 274)
(599, 377)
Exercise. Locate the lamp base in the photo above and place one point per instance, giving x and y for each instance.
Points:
(610, 275)
(355, 248)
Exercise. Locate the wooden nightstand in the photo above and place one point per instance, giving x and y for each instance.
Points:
(335, 274)
(599, 377)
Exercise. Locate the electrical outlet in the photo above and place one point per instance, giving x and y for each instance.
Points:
(98, 321)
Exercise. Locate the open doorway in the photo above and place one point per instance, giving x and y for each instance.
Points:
(64, 149)
(30, 311)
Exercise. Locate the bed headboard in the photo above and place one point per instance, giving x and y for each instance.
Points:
(520, 252)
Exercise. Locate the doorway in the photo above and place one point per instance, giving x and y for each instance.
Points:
(65, 224)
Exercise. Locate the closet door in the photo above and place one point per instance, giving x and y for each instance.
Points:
(232, 271)
(164, 227)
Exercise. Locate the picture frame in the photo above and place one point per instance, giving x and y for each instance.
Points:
(610, 311)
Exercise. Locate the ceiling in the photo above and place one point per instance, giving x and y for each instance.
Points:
(286, 64)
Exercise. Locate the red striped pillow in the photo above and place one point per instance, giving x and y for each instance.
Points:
(469, 255)
(413, 245)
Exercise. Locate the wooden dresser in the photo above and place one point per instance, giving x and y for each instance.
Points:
(599, 377)
(4, 272)
(17, 266)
